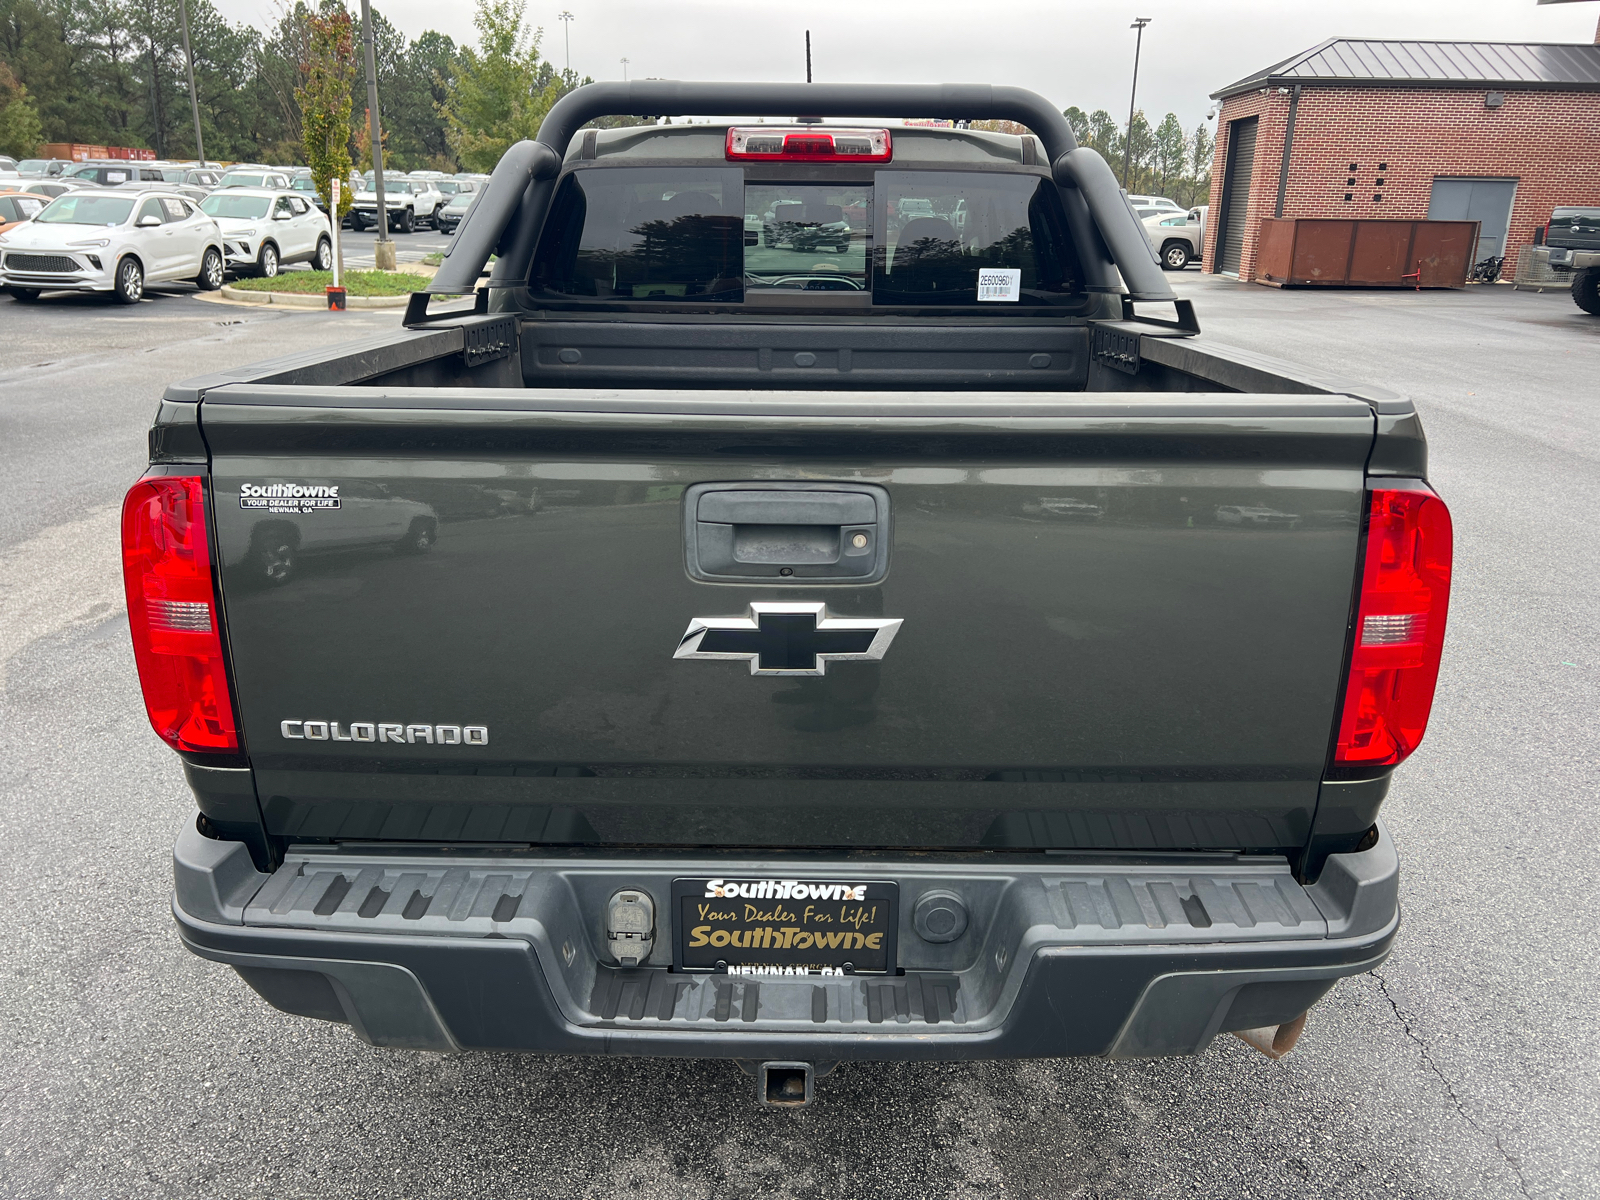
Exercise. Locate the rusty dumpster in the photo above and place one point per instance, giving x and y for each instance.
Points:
(1362, 252)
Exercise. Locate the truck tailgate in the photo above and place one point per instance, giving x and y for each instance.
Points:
(1122, 617)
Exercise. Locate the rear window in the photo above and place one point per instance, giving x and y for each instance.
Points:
(708, 234)
(643, 233)
(940, 234)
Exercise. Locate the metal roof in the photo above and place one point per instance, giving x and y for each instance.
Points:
(1351, 62)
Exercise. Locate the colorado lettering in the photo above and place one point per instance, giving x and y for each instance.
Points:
(396, 732)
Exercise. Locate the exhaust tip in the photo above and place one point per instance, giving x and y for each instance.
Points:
(1274, 1040)
(785, 1084)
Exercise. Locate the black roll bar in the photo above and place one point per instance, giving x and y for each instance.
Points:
(506, 218)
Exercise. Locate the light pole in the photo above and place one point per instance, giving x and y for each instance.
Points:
(1127, 143)
(566, 32)
(624, 70)
(383, 252)
(194, 100)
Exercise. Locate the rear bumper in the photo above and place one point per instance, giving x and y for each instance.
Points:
(1060, 960)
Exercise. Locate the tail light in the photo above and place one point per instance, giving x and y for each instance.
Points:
(172, 609)
(804, 143)
(1399, 635)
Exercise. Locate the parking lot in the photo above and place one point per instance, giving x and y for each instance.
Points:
(1465, 1067)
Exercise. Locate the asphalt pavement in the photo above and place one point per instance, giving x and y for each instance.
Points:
(1465, 1067)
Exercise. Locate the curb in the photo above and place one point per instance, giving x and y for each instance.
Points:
(309, 300)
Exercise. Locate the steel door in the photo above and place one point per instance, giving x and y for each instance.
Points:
(1487, 201)
(1236, 193)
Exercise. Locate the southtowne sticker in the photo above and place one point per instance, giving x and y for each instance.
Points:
(288, 497)
(785, 926)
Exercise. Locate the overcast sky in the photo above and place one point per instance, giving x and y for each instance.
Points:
(1072, 51)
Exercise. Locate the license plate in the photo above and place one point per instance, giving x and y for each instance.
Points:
(768, 925)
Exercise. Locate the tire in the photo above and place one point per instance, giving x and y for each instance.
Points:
(1175, 256)
(129, 285)
(357, 225)
(1586, 290)
(24, 295)
(324, 258)
(273, 556)
(422, 534)
(210, 277)
(267, 261)
(408, 221)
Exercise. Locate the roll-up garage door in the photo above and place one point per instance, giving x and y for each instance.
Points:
(1236, 192)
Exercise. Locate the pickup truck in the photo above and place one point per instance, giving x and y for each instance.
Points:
(1573, 236)
(915, 652)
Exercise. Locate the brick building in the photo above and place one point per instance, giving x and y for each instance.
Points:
(1489, 131)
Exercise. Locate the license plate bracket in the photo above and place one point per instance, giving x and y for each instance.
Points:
(770, 925)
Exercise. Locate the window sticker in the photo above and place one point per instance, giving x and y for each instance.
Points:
(999, 283)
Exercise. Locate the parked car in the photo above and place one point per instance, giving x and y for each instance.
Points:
(371, 518)
(410, 202)
(109, 174)
(206, 177)
(17, 207)
(119, 242)
(1155, 202)
(264, 228)
(42, 168)
(7, 163)
(305, 185)
(453, 211)
(50, 187)
(1177, 238)
(253, 179)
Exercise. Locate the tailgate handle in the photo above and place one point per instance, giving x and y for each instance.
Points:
(796, 533)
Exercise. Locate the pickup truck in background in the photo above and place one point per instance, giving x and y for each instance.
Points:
(1573, 236)
(1177, 238)
(914, 650)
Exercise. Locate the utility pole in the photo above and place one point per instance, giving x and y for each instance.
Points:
(624, 70)
(1127, 143)
(566, 32)
(808, 56)
(383, 252)
(194, 99)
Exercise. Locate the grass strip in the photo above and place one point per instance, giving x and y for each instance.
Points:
(356, 283)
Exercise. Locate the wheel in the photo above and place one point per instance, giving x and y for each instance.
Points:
(25, 295)
(1175, 256)
(422, 534)
(210, 277)
(272, 557)
(408, 220)
(1586, 290)
(324, 259)
(267, 261)
(130, 281)
(357, 224)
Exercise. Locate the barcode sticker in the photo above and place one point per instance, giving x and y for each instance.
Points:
(999, 283)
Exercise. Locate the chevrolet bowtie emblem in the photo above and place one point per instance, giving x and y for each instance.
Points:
(788, 639)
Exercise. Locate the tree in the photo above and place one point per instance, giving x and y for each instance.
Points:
(20, 130)
(1079, 121)
(1105, 135)
(1170, 153)
(324, 100)
(501, 91)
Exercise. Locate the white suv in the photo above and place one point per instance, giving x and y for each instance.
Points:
(409, 201)
(102, 241)
(263, 228)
